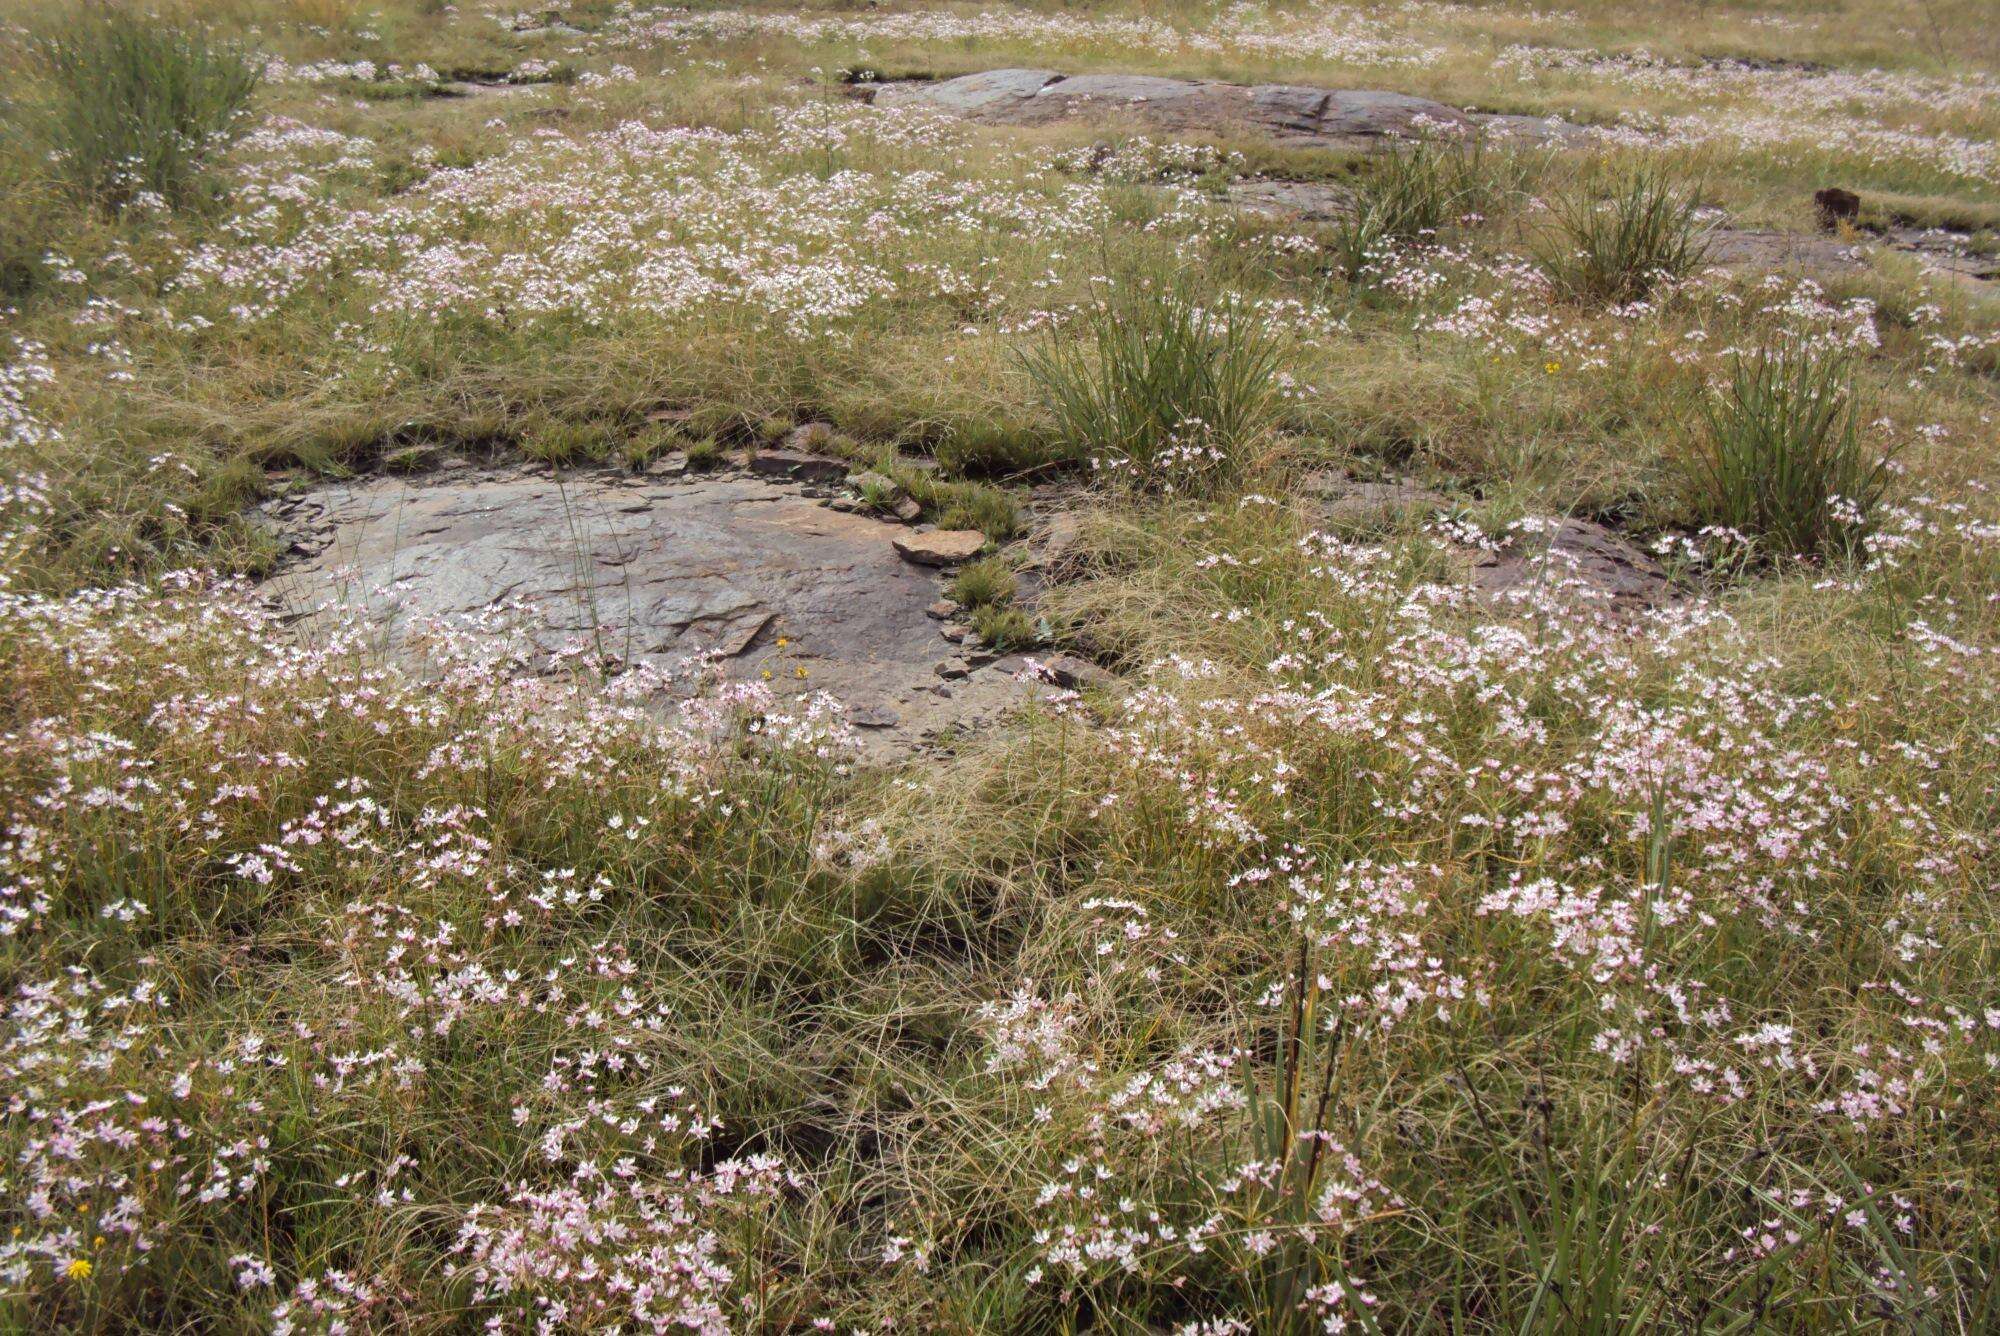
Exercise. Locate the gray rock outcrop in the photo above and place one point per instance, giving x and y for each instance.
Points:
(1287, 113)
(752, 570)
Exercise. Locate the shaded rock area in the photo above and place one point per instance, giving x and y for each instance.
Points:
(1577, 555)
(1305, 201)
(656, 569)
(1287, 113)
(800, 464)
(1942, 254)
(1756, 248)
(486, 88)
(1346, 501)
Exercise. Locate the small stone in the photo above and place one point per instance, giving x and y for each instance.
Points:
(669, 465)
(908, 510)
(955, 633)
(951, 671)
(879, 483)
(1836, 206)
(942, 610)
(811, 436)
(794, 464)
(941, 547)
(1074, 674)
(741, 637)
(846, 505)
(873, 716)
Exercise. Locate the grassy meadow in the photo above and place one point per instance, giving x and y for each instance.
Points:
(1367, 952)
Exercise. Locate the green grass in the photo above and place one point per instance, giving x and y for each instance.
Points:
(982, 583)
(1165, 389)
(1784, 461)
(1618, 239)
(130, 105)
(1004, 628)
(1414, 195)
(1559, 968)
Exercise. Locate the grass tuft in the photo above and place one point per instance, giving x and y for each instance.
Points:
(983, 584)
(1783, 459)
(1620, 240)
(1164, 390)
(1004, 628)
(1413, 194)
(132, 106)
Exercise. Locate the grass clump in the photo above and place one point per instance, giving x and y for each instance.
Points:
(554, 440)
(704, 452)
(1164, 390)
(1421, 189)
(994, 446)
(1618, 241)
(133, 106)
(1783, 459)
(956, 504)
(876, 492)
(1413, 194)
(983, 584)
(27, 226)
(1004, 628)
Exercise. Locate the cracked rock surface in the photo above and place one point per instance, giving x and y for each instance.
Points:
(646, 569)
(1287, 113)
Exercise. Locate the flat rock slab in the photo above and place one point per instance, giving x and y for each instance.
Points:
(652, 570)
(799, 464)
(1287, 113)
(1309, 201)
(1350, 501)
(1340, 118)
(1818, 255)
(940, 547)
(1809, 252)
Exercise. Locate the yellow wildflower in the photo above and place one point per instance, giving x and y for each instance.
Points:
(79, 1269)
